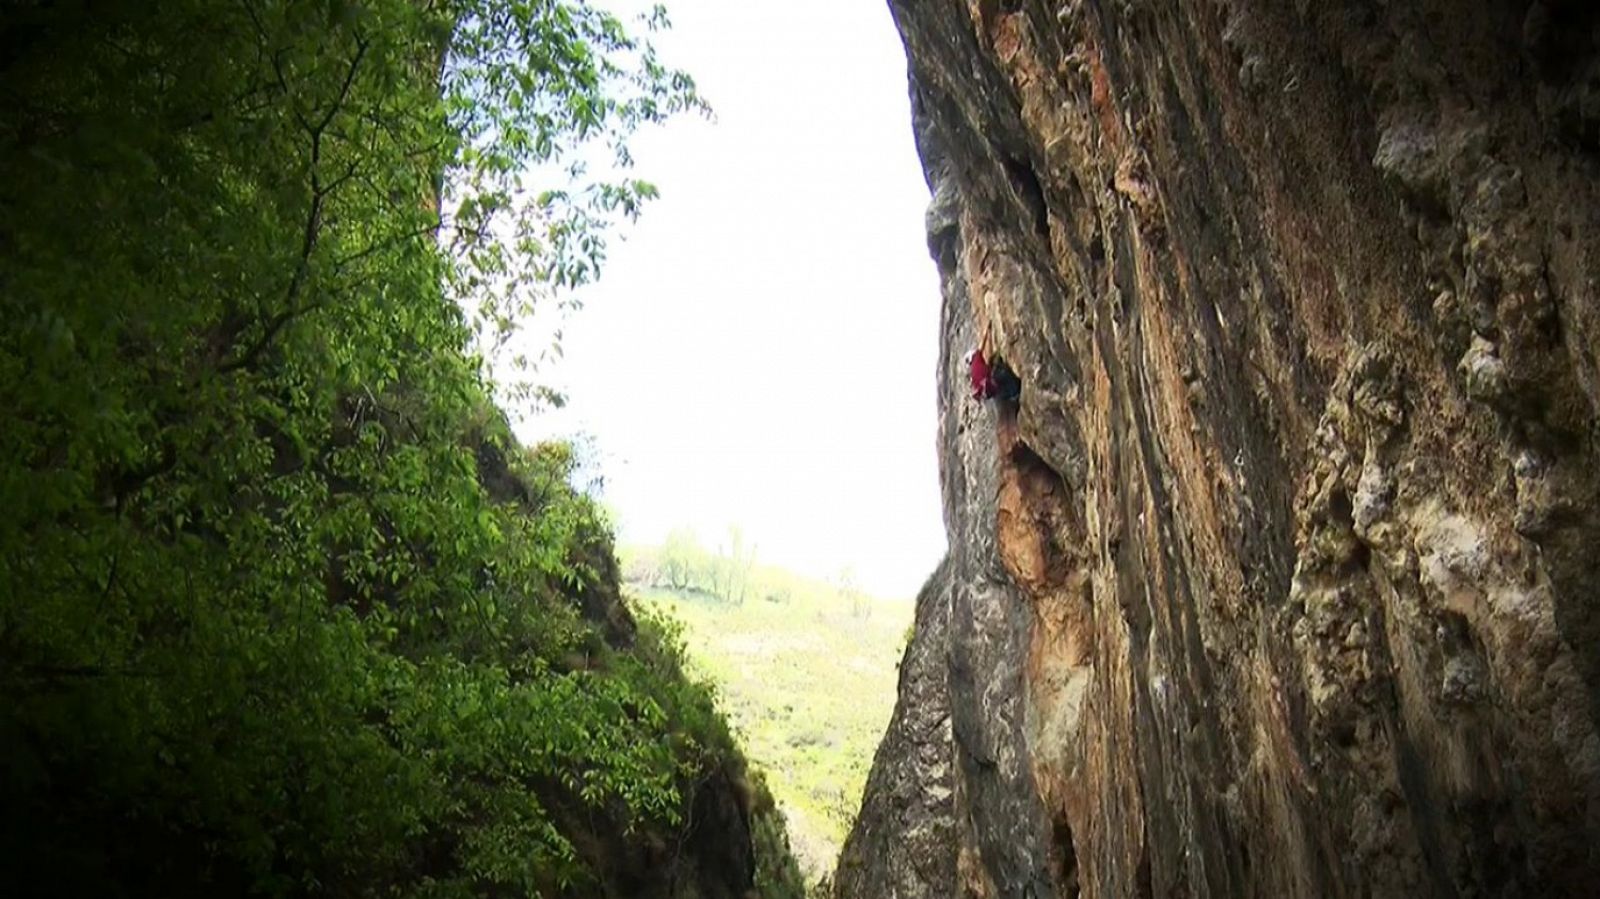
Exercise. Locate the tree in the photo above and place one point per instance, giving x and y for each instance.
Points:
(683, 562)
(283, 608)
(844, 584)
(734, 563)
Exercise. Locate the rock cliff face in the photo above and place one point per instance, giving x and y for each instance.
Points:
(1283, 577)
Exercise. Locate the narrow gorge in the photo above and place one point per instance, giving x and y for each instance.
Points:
(1280, 579)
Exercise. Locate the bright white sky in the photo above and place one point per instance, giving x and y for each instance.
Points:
(761, 350)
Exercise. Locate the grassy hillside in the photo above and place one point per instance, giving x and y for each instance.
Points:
(807, 673)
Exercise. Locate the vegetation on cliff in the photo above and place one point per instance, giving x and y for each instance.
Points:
(283, 608)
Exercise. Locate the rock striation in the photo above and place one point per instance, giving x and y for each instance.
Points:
(1282, 579)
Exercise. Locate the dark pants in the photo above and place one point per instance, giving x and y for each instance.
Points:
(1007, 385)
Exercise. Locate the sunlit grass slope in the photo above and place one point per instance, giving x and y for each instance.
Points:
(807, 673)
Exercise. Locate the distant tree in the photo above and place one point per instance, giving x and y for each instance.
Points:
(733, 567)
(856, 601)
(684, 564)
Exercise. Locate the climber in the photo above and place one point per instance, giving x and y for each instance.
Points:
(991, 380)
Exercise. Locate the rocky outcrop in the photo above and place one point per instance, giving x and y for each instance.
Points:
(902, 845)
(1280, 579)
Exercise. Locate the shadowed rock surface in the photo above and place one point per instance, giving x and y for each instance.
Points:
(1282, 578)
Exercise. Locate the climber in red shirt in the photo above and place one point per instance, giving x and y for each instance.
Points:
(983, 386)
(991, 380)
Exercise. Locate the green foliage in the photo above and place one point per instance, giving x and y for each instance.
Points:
(526, 84)
(692, 706)
(283, 611)
(778, 874)
(681, 563)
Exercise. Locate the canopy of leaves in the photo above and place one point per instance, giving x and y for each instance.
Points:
(283, 610)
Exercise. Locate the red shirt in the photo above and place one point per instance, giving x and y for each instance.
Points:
(983, 384)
